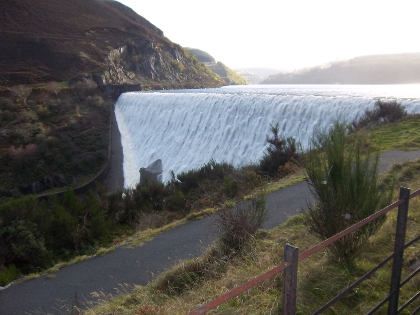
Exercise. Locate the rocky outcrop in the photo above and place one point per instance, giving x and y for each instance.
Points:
(147, 64)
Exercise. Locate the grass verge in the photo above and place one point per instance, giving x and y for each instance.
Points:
(403, 135)
(319, 278)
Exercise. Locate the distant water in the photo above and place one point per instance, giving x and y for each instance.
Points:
(187, 128)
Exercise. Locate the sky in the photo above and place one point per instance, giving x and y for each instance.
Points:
(286, 34)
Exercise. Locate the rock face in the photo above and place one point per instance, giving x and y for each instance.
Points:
(64, 40)
(152, 173)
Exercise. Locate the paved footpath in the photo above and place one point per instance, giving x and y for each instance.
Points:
(72, 285)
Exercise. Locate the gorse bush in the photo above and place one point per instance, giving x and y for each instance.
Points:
(346, 188)
(211, 171)
(239, 224)
(127, 206)
(279, 152)
(383, 112)
(35, 233)
(192, 190)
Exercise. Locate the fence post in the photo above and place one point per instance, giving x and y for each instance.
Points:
(290, 280)
(398, 251)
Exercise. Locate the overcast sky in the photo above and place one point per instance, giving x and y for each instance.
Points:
(286, 35)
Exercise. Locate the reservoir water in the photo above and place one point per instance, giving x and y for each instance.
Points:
(187, 128)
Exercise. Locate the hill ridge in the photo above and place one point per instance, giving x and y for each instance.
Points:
(370, 69)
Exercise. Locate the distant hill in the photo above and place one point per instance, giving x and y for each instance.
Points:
(62, 40)
(375, 69)
(256, 75)
(228, 75)
(201, 55)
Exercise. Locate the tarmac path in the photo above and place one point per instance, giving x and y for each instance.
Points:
(74, 284)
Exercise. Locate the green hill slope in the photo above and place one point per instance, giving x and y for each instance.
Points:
(228, 75)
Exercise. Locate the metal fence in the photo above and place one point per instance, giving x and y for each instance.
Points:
(292, 259)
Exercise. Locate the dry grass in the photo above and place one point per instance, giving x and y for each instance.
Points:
(319, 278)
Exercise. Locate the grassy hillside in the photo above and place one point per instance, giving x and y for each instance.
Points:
(196, 281)
(404, 135)
(229, 76)
(56, 135)
(201, 55)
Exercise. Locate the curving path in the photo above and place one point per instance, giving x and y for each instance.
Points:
(73, 284)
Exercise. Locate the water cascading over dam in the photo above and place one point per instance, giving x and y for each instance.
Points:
(188, 128)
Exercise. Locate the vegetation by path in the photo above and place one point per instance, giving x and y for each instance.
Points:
(319, 279)
(197, 193)
(141, 236)
(136, 265)
(285, 201)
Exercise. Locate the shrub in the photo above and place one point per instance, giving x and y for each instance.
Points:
(97, 225)
(208, 172)
(121, 207)
(383, 112)
(22, 244)
(176, 201)
(151, 196)
(346, 188)
(230, 187)
(8, 274)
(35, 232)
(127, 206)
(189, 273)
(279, 152)
(238, 225)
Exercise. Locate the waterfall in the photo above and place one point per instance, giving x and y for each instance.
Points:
(187, 128)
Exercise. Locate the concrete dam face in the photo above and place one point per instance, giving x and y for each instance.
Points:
(188, 128)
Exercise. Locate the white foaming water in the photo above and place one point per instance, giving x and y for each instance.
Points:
(187, 128)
